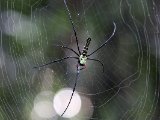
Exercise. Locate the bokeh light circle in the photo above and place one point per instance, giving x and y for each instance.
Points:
(43, 105)
(61, 100)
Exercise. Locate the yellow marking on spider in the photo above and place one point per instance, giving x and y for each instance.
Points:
(82, 59)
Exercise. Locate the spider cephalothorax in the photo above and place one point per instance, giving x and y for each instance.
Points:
(82, 60)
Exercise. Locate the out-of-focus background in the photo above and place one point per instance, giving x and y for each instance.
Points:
(127, 90)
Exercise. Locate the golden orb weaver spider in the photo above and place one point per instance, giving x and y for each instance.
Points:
(81, 56)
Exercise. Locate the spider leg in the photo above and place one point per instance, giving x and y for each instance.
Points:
(67, 48)
(74, 30)
(58, 60)
(83, 67)
(97, 61)
(105, 41)
(77, 75)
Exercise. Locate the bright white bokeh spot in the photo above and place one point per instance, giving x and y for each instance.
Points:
(35, 116)
(44, 109)
(61, 101)
(43, 105)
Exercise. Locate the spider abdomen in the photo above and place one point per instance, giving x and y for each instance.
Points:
(85, 49)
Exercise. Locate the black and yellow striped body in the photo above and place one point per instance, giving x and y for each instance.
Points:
(85, 49)
(83, 56)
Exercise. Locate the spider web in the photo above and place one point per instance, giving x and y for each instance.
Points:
(127, 90)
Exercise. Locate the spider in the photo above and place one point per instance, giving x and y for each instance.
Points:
(81, 56)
